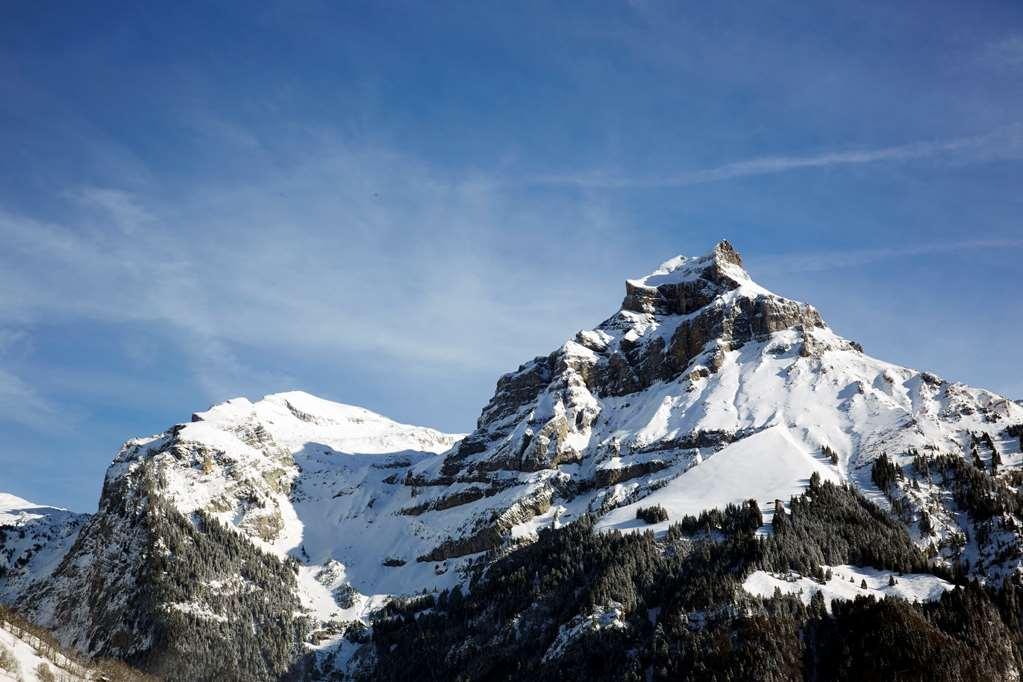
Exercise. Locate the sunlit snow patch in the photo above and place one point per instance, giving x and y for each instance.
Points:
(766, 466)
(846, 583)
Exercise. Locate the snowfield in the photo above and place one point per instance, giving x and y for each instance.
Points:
(767, 466)
(846, 583)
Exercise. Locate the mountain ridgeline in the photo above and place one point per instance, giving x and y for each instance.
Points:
(710, 484)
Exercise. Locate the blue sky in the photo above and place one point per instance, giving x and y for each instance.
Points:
(390, 204)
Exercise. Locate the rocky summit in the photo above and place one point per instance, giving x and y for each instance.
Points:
(790, 483)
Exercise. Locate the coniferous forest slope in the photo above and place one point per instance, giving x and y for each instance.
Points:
(710, 484)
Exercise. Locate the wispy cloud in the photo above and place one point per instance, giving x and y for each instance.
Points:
(821, 261)
(998, 143)
(9, 338)
(1006, 53)
(350, 253)
(121, 208)
(22, 404)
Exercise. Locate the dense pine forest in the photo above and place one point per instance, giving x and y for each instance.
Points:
(684, 615)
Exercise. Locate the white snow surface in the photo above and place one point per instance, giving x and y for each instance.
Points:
(846, 584)
(26, 652)
(688, 268)
(767, 466)
(36, 539)
(317, 470)
(15, 510)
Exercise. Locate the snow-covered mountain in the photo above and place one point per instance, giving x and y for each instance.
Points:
(293, 515)
(706, 389)
(298, 479)
(33, 540)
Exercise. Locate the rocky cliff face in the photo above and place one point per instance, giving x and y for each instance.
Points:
(703, 389)
(675, 325)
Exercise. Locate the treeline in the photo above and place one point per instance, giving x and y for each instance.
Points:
(731, 520)
(1016, 431)
(834, 524)
(963, 636)
(222, 608)
(686, 616)
(974, 489)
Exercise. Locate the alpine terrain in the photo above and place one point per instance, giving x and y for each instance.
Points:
(710, 484)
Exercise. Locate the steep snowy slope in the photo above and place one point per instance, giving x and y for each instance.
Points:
(33, 540)
(291, 515)
(769, 465)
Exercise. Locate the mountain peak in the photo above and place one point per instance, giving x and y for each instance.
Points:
(683, 268)
(684, 284)
(725, 251)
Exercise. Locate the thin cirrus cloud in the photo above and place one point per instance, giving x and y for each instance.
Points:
(822, 261)
(21, 403)
(1006, 53)
(120, 207)
(348, 254)
(1003, 142)
(356, 253)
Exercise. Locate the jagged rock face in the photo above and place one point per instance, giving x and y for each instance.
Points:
(704, 280)
(679, 320)
(94, 599)
(712, 307)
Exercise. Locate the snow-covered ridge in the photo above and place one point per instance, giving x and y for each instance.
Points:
(285, 471)
(295, 417)
(33, 540)
(302, 478)
(9, 502)
(14, 509)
